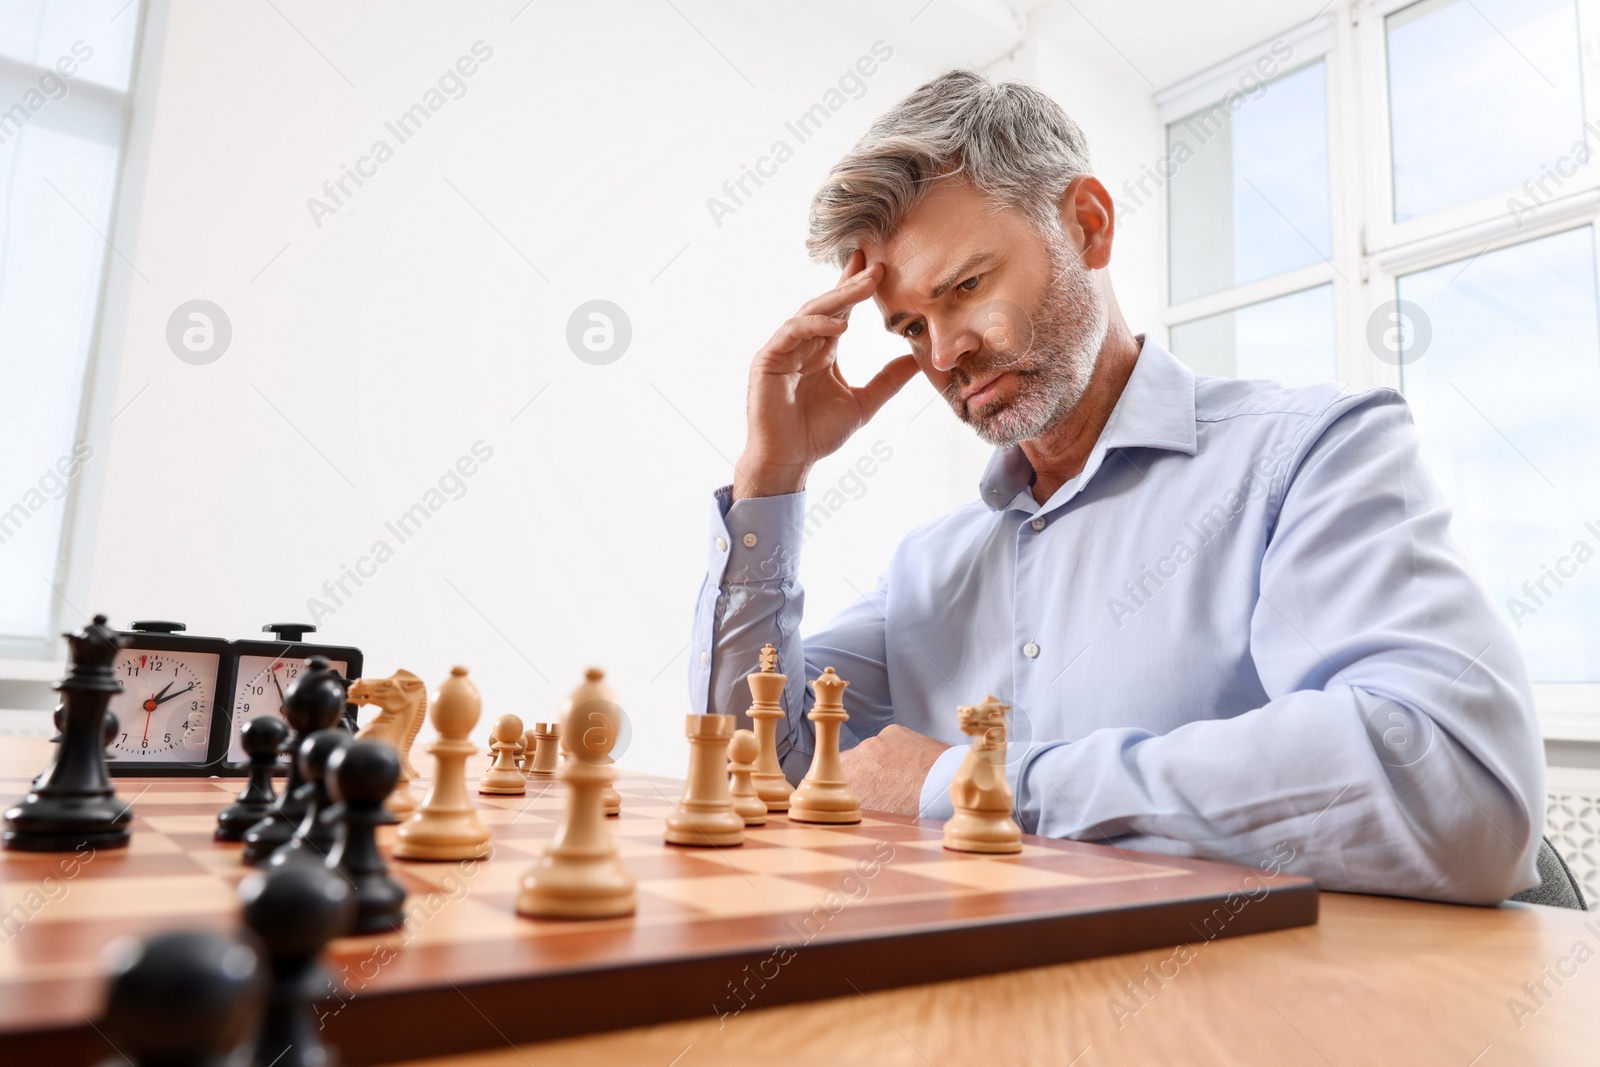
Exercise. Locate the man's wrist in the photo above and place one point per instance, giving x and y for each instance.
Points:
(755, 481)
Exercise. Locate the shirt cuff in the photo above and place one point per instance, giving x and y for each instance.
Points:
(935, 800)
(756, 539)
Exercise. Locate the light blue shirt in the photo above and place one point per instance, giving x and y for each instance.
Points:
(1242, 632)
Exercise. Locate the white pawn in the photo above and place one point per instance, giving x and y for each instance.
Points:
(742, 753)
(595, 689)
(579, 876)
(504, 778)
(446, 827)
(525, 757)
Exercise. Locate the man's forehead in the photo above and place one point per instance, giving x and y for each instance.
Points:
(913, 260)
(954, 224)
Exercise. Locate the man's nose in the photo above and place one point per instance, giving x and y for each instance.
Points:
(951, 341)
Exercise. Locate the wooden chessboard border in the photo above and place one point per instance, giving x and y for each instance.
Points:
(547, 980)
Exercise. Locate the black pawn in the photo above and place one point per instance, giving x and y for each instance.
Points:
(313, 702)
(72, 804)
(313, 840)
(295, 911)
(360, 777)
(262, 737)
(185, 999)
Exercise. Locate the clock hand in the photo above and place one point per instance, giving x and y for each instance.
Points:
(150, 702)
(279, 688)
(169, 685)
(163, 699)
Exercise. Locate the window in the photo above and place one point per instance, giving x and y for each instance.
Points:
(65, 71)
(1505, 397)
(1250, 215)
(1250, 192)
(1289, 339)
(1427, 165)
(1480, 94)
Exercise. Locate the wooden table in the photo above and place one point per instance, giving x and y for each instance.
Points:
(1376, 981)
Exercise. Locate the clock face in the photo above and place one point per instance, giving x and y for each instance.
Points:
(261, 682)
(164, 709)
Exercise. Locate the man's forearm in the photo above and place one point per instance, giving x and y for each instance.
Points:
(1435, 824)
(751, 597)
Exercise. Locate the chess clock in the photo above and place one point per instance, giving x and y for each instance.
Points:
(264, 670)
(172, 711)
(185, 699)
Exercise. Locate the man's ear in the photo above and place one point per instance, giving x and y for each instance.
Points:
(1088, 218)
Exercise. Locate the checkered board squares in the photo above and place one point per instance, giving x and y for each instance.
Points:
(872, 905)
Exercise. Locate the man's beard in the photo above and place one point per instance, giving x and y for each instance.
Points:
(1051, 353)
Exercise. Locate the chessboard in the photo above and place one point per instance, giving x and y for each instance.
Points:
(798, 912)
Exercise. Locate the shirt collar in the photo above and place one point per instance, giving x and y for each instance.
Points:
(1155, 410)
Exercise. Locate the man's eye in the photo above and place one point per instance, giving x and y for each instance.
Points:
(914, 330)
(970, 284)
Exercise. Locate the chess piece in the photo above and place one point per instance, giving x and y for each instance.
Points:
(824, 795)
(747, 802)
(59, 718)
(705, 815)
(313, 838)
(766, 688)
(314, 701)
(594, 687)
(979, 791)
(72, 805)
(294, 912)
(546, 752)
(446, 827)
(360, 776)
(525, 761)
(579, 876)
(182, 999)
(504, 778)
(402, 699)
(262, 737)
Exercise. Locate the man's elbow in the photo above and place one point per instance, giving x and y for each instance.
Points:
(1483, 838)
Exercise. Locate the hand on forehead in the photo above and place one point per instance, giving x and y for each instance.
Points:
(952, 234)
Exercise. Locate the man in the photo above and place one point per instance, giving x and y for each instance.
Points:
(1229, 615)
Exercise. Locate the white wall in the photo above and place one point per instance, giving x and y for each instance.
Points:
(376, 349)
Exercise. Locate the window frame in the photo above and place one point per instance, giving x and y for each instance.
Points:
(1371, 251)
(69, 577)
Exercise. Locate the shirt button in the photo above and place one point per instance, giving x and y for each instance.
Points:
(705, 657)
(749, 540)
(1030, 650)
(1037, 524)
(722, 545)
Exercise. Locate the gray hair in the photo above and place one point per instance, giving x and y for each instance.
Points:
(1011, 141)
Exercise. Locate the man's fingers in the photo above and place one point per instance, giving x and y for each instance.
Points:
(858, 259)
(803, 328)
(850, 292)
(885, 384)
